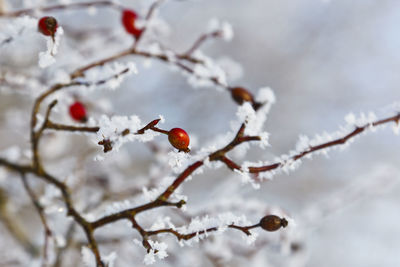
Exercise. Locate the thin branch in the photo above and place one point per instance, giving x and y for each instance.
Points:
(40, 210)
(179, 236)
(336, 142)
(108, 145)
(149, 16)
(17, 13)
(200, 41)
(70, 128)
(80, 72)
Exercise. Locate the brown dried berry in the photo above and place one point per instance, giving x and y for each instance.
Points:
(241, 95)
(272, 223)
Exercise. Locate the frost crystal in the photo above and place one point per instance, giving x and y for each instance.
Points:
(47, 58)
(232, 69)
(161, 253)
(118, 130)
(115, 74)
(178, 161)
(224, 28)
(396, 128)
(110, 259)
(149, 258)
(245, 175)
(201, 224)
(255, 120)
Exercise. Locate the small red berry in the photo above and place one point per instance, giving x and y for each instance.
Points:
(78, 112)
(179, 139)
(272, 223)
(47, 26)
(128, 20)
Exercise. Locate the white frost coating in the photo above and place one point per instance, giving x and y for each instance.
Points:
(352, 121)
(246, 112)
(154, 49)
(205, 72)
(255, 120)
(178, 161)
(363, 119)
(396, 128)
(16, 27)
(246, 178)
(350, 118)
(110, 259)
(288, 164)
(202, 73)
(152, 194)
(46, 58)
(221, 222)
(225, 29)
(250, 239)
(161, 223)
(161, 253)
(149, 258)
(156, 28)
(108, 71)
(162, 119)
(111, 129)
(264, 142)
(266, 95)
(88, 257)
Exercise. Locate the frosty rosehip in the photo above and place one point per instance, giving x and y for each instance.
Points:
(179, 139)
(77, 111)
(129, 19)
(47, 26)
(272, 223)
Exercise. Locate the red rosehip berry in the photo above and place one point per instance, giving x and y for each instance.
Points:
(272, 223)
(78, 112)
(179, 139)
(48, 26)
(129, 20)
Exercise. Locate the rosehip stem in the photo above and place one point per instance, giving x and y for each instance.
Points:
(159, 130)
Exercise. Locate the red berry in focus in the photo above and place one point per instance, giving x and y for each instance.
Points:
(179, 139)
(78, 112)
(128, 20)
(47, 26)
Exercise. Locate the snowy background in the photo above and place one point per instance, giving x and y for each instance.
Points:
(323, 59)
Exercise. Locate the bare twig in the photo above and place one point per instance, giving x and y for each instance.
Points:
(17, 13)
(39, 208)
